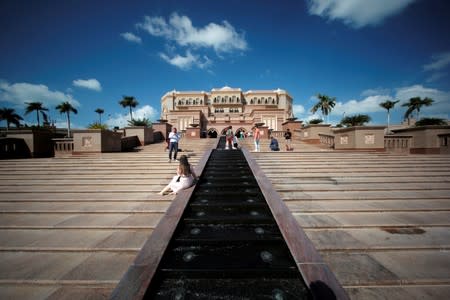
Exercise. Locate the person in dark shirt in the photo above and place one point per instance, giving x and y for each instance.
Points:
(274, 144)
(288, 138)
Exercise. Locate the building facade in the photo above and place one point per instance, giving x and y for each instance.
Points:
(214, 111)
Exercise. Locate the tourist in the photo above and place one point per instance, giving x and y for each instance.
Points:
(274, 144)
(241, 135)
(229, 136)
(174, 138)
(256, 137)
(288, 138)
(184, 179)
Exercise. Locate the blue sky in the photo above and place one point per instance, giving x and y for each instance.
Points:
(91, 53)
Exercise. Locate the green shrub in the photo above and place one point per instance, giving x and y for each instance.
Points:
(430, 121)
(140, 122)
(315, 121)
(356, 120)
(97, 125)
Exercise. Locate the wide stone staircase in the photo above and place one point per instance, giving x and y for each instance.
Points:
(70, 227)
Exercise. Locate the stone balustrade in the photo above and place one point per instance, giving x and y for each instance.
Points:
(277, 133)
(444, 143)
(63, 147)
(327, 139)
(397, 143)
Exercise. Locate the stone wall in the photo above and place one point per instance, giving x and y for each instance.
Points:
(359, 138)
(425, 139)
(145, 134)
(310, 133)
(96, 141)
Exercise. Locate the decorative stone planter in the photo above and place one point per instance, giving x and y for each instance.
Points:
(359, 138)
(145, 134)
(161, 131)
(96, 141)
(192, 133)
(310, 133)
(292, 125)
(38, 140)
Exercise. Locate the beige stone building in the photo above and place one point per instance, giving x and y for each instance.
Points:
(214, 111)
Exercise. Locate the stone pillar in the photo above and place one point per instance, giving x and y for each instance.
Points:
(96, 141)
(192, 133)
(161, 131)
(145, 134)
(359, 138)
(292, 125)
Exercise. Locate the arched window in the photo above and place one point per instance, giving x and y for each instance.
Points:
(179, 102)
(251, 101)
(266, 101)
(259, 101)
(201, 102)
(273, 101)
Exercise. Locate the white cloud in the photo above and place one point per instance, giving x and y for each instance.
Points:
(131, 37)
(436, 76)
(357, 13)
(369, 104)
(376, 91)
(221, 37)
(186, 62)
(91, 84)
(439, 62)
(298, 109)
(441, 104)
(121, 120)
(22, 92)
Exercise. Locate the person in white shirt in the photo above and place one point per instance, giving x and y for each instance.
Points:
(174, 138)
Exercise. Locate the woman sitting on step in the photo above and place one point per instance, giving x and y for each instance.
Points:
(184, 179)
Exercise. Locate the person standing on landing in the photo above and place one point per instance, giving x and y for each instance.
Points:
(174, 138)
(256, 137)
(288, 138)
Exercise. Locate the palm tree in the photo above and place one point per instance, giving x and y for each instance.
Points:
(35, 106)
(388, 105)
(10, 116)
(325, 104)
(356, 120)
(100, 112)
(66, 107)
(129, 101)
(416, 103)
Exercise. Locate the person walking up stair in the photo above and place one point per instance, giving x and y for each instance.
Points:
(229, 136)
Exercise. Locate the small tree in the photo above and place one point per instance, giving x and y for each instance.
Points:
(430, 121)
(388, 105)
(415, 104)
(35, 106)
(315, 121)
(129, 101)
(356, 120)
(66, 108)
(10, 116)
(100, 112)
(325, 104)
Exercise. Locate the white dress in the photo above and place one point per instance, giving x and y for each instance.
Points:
(181, 182)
